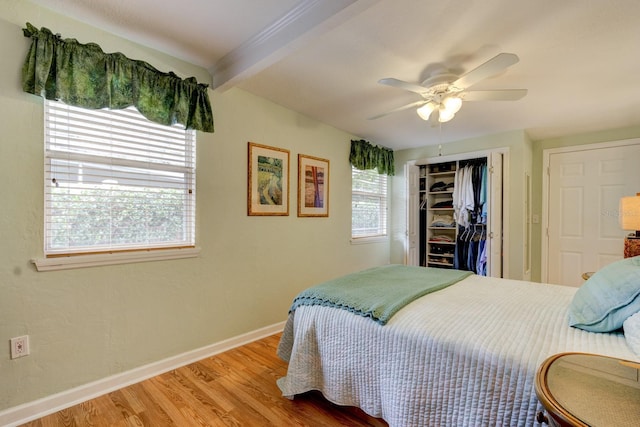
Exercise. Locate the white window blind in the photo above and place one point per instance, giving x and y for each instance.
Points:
(368, 203)
(116, 181)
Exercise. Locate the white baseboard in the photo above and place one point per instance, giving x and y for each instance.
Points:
(39, 408)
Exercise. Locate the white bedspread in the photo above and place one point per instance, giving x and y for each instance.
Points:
(463, 356)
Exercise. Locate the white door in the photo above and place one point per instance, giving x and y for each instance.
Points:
(494, 162)
(585, 185)
(412, 252)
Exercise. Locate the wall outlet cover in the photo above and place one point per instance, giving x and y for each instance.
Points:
(19, 346)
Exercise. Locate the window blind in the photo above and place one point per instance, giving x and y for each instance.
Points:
(368, 203)
(116, 181)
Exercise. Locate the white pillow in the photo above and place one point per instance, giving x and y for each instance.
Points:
(631, 328)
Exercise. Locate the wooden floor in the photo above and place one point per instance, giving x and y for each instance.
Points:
(234, 388)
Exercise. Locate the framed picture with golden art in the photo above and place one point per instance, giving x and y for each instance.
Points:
(313, 186)
(268, 180)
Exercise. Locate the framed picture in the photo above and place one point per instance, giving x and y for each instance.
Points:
(268, 180)
(313, 186)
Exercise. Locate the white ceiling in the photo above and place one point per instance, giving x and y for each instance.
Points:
(579, 59)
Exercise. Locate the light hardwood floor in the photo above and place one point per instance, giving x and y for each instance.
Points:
(234, 388)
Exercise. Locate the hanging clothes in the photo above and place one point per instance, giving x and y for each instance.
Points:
(483, 195)
(470, 214)
(469, 192)
(470, 252)
(463, 200)
(481, 265)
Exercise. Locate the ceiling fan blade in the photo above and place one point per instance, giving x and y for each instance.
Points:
(494, 95)
(488, 69)
(411, 87)
(396, 110)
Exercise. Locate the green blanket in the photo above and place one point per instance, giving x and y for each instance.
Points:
(379, 292)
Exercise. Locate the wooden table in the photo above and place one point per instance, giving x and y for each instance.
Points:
(579, 389)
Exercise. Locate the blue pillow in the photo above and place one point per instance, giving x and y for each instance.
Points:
(612, 294)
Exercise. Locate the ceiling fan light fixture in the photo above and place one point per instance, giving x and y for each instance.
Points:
(425, 111)
(452, 103)
(442, 93)
(448, 108)
(445, 115)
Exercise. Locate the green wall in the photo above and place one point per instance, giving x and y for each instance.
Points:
(90, 323)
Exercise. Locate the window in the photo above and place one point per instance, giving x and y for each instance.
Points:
(114, 181)
(368, 203)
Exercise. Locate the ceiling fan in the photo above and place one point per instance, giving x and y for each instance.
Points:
(442, 93)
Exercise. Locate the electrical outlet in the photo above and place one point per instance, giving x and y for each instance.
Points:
(19, 346)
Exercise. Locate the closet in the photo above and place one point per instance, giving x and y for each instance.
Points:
(455, 213)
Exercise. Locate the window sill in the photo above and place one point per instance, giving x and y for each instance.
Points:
(367, 240)
(82, 261)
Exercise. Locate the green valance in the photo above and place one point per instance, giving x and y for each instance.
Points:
(84, 76)
(365, 156)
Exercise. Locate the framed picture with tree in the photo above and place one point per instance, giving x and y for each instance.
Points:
(313, 186)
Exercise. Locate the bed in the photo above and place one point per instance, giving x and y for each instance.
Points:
(464, 354)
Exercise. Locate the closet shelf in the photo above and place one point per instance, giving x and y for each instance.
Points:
(439, 263)
(437, 242)
(445, 173)
(440, 255)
